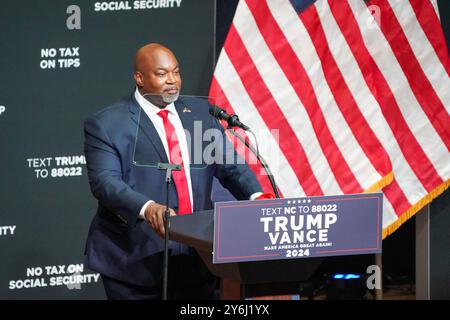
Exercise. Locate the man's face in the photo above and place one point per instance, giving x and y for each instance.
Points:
(159, 75)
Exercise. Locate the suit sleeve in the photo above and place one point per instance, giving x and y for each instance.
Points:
(105, 175)
(235, 175)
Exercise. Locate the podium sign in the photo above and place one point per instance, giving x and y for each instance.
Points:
(297, 228)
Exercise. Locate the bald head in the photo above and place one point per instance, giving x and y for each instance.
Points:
(156, 71)
(149, 54)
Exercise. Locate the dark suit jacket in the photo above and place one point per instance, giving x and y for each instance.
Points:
(122, 148)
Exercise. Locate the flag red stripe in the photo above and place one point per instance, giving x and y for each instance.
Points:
(220, 98)
(418, 81)
(396, 197)
(394, 193)
(297, 76)
(270, 112)
(429, 21)
(343, 96)
(375, 80)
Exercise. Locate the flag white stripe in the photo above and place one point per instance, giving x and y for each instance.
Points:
(299, 39)
(423, 50)
(410, 184)
(435, 6)
(236, 94)
(417, 121)
(285, 97)
(364, 98)
(389, 215)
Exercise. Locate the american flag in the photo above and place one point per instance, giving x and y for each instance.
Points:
(352, 96)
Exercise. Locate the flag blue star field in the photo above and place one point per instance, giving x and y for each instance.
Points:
(352, 96)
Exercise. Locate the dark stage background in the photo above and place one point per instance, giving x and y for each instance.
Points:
(61, 61)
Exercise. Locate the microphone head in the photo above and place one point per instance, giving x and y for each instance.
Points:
(231, 119)
(218, 112)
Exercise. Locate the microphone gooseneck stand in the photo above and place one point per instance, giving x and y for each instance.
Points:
(233, 121)
(169, 168)
(260, 158)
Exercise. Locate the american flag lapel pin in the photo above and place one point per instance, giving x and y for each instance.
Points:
(186, 109)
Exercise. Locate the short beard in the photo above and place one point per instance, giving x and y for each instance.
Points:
(169, 98)
(161, 100)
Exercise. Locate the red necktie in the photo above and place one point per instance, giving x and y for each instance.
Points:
(179, 177)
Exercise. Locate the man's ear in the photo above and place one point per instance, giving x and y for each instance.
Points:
(139, 79)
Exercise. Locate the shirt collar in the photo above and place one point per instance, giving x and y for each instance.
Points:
(150, 107)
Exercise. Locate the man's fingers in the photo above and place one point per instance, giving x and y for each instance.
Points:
(155, 223)
(155, 217)
(160, 223)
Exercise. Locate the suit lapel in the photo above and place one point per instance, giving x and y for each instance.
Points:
(146, 131)
(187, 120)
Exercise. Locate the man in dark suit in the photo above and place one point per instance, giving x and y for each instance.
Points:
(125, 242)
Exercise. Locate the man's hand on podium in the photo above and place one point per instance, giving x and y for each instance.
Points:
(154, 214)
(266, 196)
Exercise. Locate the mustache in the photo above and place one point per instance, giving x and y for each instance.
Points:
(171, 88)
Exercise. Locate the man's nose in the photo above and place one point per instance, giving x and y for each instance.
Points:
(170, 77)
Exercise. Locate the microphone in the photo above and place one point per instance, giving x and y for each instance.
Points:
(231, 119)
